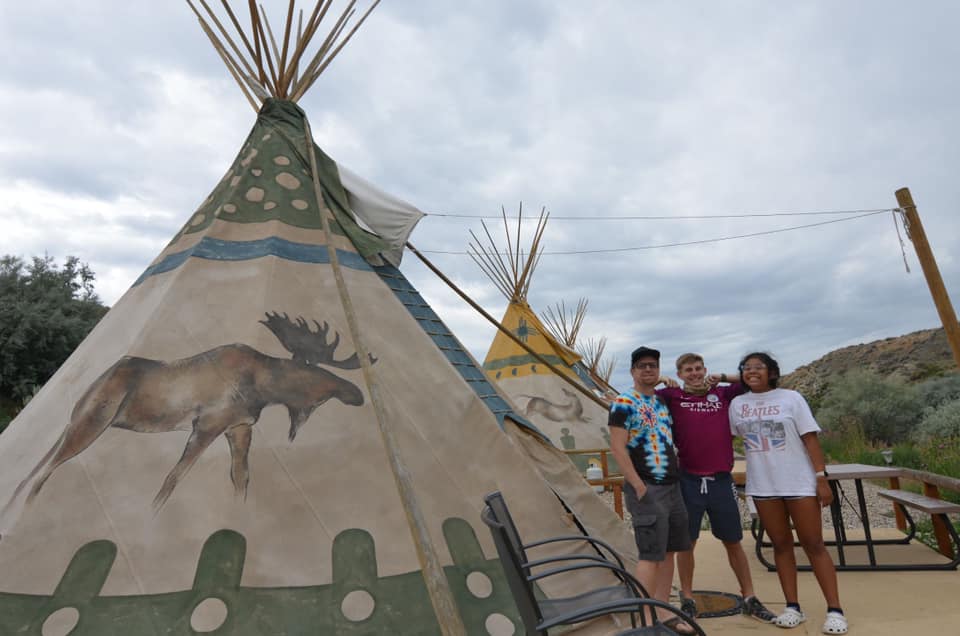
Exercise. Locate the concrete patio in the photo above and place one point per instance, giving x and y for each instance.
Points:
(876, 603)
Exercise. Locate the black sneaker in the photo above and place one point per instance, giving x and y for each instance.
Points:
(688, 606)
(753, 608)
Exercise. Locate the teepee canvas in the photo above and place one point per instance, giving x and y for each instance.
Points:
(553, 389)
(271, 432)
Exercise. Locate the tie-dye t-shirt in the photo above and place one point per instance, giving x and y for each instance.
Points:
(649, 433)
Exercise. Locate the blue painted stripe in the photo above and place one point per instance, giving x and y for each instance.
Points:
(220, 250)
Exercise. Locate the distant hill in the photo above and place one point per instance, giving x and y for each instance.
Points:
(914, 357)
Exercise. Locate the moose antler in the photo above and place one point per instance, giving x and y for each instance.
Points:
(308, 345)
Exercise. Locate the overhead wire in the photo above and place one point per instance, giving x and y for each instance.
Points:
(613, 250)
(655, 217)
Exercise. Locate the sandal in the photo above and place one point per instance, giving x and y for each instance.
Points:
(678, 625)
(835, 624)
(791, 618)
(688, 606)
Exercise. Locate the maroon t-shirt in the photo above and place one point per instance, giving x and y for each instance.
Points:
(701, 428)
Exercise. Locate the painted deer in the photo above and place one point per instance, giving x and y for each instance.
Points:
(571, 411)
(218, 392)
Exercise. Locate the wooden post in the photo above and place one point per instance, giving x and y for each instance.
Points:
(897, 513)
(618, 498)
(939, 527)
(931, 272)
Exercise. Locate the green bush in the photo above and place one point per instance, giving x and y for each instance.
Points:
(941, 422)
(833, 447)
(46, 310)
(907, 456)
(941, 456)
(880, 410)
(934, 392)
(869, 456)
(7, 413)
(846, 446)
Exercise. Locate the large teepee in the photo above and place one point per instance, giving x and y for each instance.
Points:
(546, 378)
(271, 432)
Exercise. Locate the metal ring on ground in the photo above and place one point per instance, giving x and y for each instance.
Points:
(715, 604)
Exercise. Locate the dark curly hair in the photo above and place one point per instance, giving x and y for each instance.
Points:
(773, 368)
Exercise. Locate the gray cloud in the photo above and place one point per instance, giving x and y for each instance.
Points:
(124, 119)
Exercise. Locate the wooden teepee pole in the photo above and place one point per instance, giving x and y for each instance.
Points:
(930, 271)
(434, 577)
(496, 323)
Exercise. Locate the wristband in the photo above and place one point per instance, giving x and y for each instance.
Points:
(821, 473)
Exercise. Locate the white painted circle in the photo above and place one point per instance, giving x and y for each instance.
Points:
(479, 584)
(357, 606)
(499, 625)
(208, 615)
(288, 181)
(61, 622)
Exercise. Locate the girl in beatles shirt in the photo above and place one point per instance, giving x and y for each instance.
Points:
(787, 480)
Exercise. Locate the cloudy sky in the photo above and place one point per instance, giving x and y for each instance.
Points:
(117, 118)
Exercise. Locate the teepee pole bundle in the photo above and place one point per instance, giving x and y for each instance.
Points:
(265, 69)
(592, 352)
(564, 325)
(496, 323)
(512, 271)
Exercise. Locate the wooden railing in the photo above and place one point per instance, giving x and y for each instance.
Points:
(609, 481)
(931, 483)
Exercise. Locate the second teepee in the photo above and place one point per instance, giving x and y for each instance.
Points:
(553, 389)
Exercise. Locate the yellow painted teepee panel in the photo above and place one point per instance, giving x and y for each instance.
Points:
(569, 419)
(508, 359)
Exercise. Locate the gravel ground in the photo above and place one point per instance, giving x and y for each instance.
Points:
(880, 510)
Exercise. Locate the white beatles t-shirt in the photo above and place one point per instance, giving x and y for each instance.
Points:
(771, 424)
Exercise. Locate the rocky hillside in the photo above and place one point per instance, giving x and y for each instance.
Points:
(915, 356)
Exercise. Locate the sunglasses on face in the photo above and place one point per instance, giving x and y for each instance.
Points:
(646, 365)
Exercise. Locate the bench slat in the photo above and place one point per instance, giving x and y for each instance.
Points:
(920, 502)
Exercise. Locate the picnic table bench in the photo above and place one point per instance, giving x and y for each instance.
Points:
(936, 508)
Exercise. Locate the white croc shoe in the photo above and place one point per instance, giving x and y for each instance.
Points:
(835, 624)
(791, 618)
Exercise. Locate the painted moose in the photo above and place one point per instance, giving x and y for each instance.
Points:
(218, 392)
(571, 411)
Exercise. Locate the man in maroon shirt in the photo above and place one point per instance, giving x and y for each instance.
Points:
(701, 433)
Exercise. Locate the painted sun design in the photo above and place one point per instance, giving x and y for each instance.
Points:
(524, 330)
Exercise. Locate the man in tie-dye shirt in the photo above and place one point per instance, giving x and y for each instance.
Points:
(641, 440)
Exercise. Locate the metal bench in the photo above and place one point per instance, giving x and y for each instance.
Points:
(937, 509)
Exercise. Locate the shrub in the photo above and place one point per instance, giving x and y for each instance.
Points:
(883, 409)
(941, 422)
(907, 456)
(934, 392)
(941, 456)
(845, 446)
(7, 413)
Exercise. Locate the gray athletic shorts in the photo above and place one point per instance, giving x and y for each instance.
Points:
(659, 521)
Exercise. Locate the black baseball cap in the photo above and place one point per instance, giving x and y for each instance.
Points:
(643, 352)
